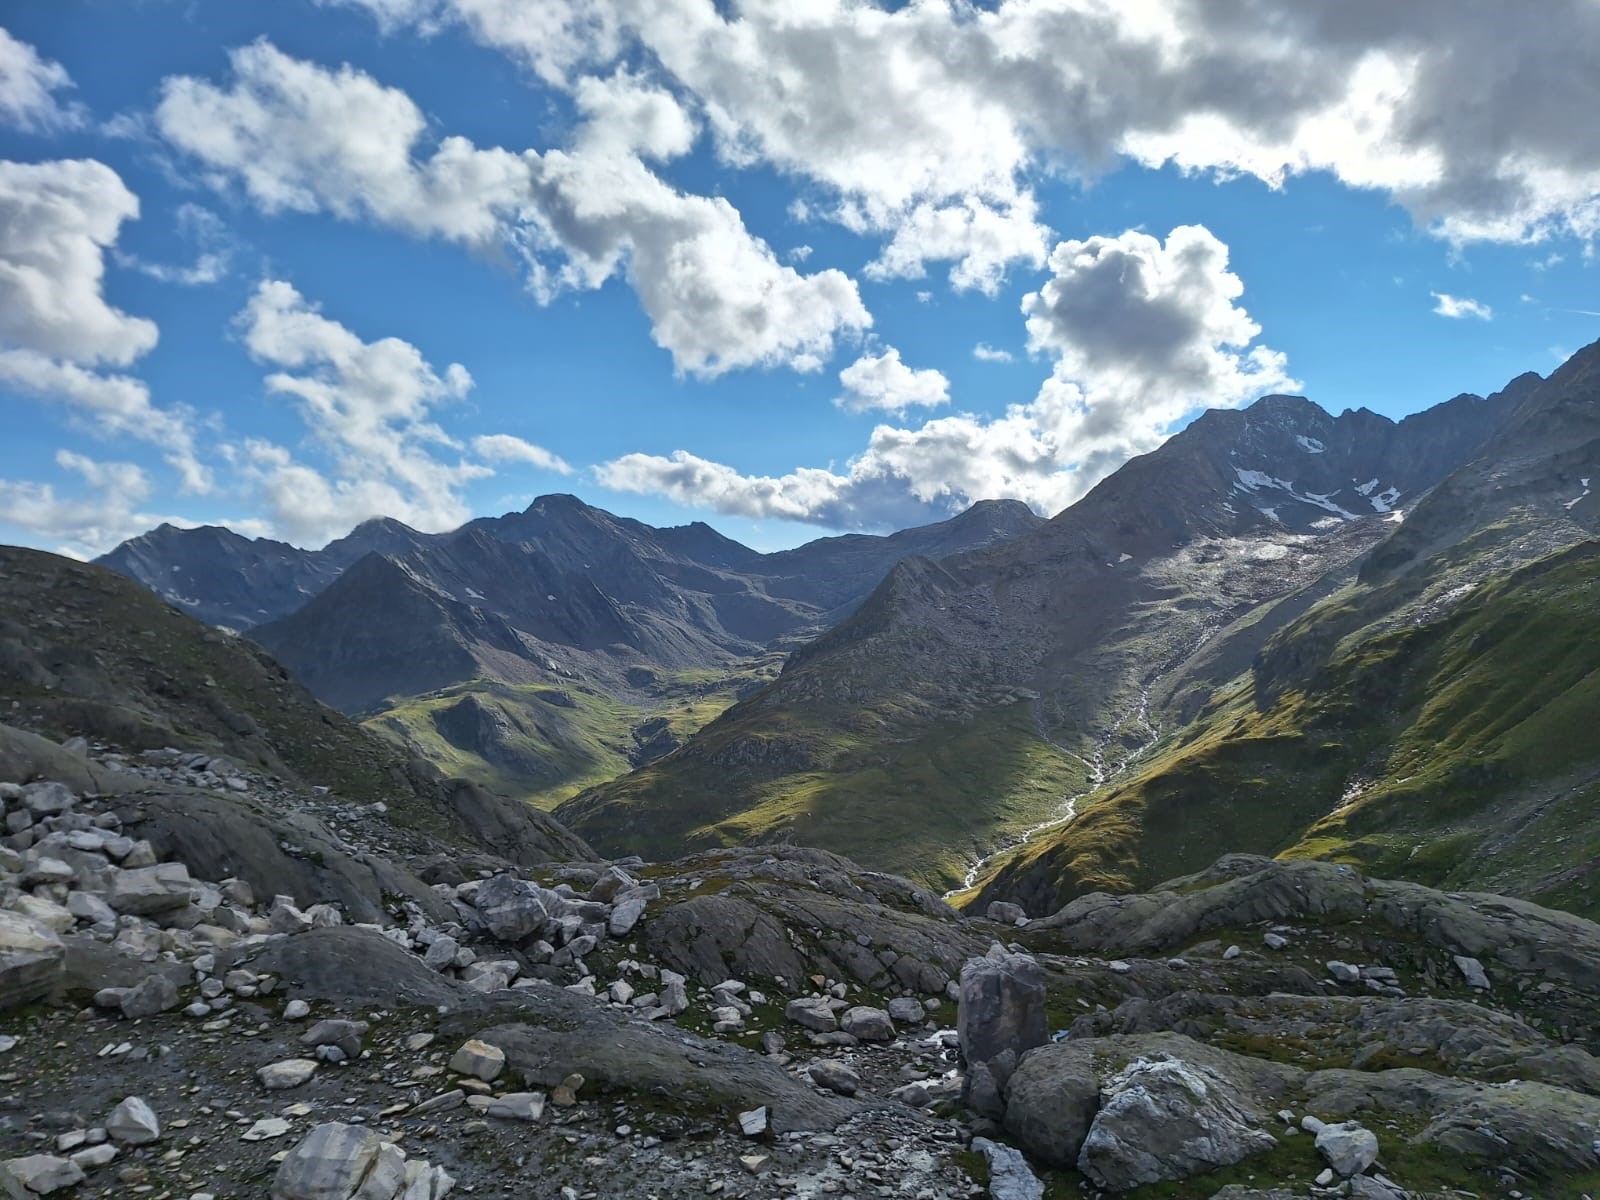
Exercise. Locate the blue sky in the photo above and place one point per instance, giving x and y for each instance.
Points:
(242, 246)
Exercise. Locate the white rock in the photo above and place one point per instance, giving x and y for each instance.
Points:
(133, 1122)
(1347, 1147)
(478, 1059)
(287, 1073)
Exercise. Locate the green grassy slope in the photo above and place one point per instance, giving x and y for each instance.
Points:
(543, 743)
(1459, 751)
(921, 807)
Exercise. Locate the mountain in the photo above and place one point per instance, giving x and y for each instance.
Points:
(228, 580)
(1432, 716)
(968, 698)
(86, 653)
(545, 650)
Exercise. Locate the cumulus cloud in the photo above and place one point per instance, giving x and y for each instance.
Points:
(503, 447)
(1142, 332)
(57, 331)
(884, 382)
(368, 406)
(298, 137)
(1460, 308)
(984, 352)
(912, 120)
(86, 524)
(28, 84)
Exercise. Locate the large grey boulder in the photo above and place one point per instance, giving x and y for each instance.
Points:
(1166, 1119)
(146, 890)
(331, 1163)
(511, 908)
(31, 957)
(1347, 1147)
(38, 1175)
(156, 993)
(1001, 1017)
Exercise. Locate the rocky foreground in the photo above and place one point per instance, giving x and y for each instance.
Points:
(213, 983)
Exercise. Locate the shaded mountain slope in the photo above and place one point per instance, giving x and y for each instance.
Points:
(86, 652)
(1101, 627)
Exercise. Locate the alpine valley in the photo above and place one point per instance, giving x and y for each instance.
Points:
(1231, 835)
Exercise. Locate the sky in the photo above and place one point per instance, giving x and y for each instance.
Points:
(791, 267)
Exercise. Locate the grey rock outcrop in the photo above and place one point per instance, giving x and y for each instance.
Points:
(1001, 1018)
(1166, 1119)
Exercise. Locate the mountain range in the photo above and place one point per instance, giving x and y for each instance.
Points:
(1283, 631)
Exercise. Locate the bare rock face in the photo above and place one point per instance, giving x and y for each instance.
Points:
(31, 957)
(1167, 1119)
(1001, 1018)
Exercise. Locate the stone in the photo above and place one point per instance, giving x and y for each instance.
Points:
(834, 1076)
(1231, 953)
(296, 1010)
(1164, 1119)
(811, 1012)
(478, 1059)
(336, 1031)
(265, 1129)
(89, 908)
(442, 954)
(31, 960)
(1274, 941)
(511, 908)
(154, 994)
(286, 1073)
(1344, 972)
(625, 916)
(868, 1024)
(330, 1163)
(516, 1106)
(1472, 971)
(285, 917)
(91, 1157)
(907, 1010)
(48, 799)
(146, 890)
(39, 1174)
(1001, 1017)
(1009, 1175)
(133, 1122)
(754, 1122)
(1347, 1147)
(1005, 913)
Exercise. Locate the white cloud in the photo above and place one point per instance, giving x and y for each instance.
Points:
(984, 352)
(214, 254)
(27, 86)
(299, 137)
(503, 447)
(369, 407)
(57, 219)
(1459, 307)
(1142, 333)
(84, 525)
(884, 382)
(936, 106)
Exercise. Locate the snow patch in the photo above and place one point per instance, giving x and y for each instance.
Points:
(1124, 557)
(1309, 445)
(1366, 488)
(1325, 501)
(1384, 501)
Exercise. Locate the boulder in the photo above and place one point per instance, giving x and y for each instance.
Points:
(812, 1013)
(867, 1024)
(478, 1059)
(39, 1174)
(133, 1122)
(331, 1163)
(511, 908)
(1009, 1175)
(834, 1076)
(156, 993)
(146, 890)
(907, 1010)
(1001, 1015)
(625, 916)
(1347, 1147)
(516, 1106)
(1472, 971)
(287, 1073)
(1164, 1119)
(1006, 913)
(31, 960)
